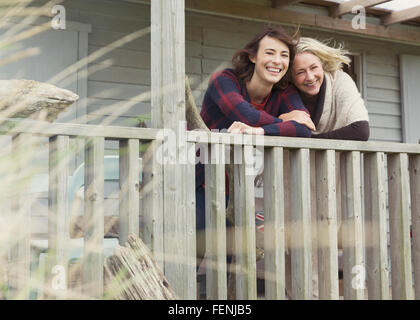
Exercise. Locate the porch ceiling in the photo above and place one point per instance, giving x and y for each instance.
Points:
(410, 15)
(278, 12)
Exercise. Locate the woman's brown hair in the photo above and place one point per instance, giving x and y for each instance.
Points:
(244, 68)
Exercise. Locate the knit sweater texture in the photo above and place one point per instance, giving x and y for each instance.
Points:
(343, 104)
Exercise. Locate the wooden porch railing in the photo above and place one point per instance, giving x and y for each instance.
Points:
(368, 172)
(375, 180)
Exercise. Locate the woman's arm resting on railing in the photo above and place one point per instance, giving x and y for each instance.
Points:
(288, 128)
(358, 130)
(300, 116)
(241, 128)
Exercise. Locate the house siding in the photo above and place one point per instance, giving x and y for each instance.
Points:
(210, 44)
(123, 74)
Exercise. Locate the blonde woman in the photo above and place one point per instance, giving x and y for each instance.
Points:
(331, 96)
(335, 105)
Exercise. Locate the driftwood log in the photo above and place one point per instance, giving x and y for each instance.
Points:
(132, 273)
(24, 98)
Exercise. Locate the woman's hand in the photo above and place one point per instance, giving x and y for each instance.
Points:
(300, 117)
(241, 128)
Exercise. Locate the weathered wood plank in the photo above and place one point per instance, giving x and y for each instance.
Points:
(267, 14)
(5, 203)
(12, 126)
(352, 234)
(93, 259)
(58, 214)
(399, 211)
(415, 219)
(190, 225)
(347, 7)
(327, 225)
(301, 246)
(316, 144)
(376, 227)
(168, 111)
(216, 280)
(21, 216)
(246, 278)
(239, 206)
(274, 232)
(43, 128)
(129, 189)
(283, 3)
(142, 280)
(401, 15)
(152, 201)
(168, 53)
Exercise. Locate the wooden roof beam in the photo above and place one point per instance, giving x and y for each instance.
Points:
(253, 12)
(347, 7)
(283, 3)
(401, 16)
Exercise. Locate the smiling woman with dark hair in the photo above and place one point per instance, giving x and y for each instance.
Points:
(249, 98)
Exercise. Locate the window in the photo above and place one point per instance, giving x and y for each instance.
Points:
(355, 70)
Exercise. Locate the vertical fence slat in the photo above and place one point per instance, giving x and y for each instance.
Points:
(6, 179)
(300, 240)
(21, 210)
(376, 227)
(93, 259)
(190, 224)
(245, 242)
(152, 201)
(274, 238)
(58, 218)
(399, 211)
(327, 225)
(216, 281)
(415, 219)
(129, 189)
(239, 206)
(352, 234)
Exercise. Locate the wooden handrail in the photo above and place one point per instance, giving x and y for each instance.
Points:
(15, 126)
(43, 128)
(303, 143)
(363, 177)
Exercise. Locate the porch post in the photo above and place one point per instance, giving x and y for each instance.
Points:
(168, 112)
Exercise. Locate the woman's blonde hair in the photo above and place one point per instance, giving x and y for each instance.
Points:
(332, 59)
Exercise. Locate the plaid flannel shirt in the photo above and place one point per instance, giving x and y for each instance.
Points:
(227, 100)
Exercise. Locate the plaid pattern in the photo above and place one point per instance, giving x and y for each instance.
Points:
(259, 220)
(227, 100)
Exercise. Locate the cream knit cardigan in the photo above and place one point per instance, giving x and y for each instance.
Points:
(343, 103)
